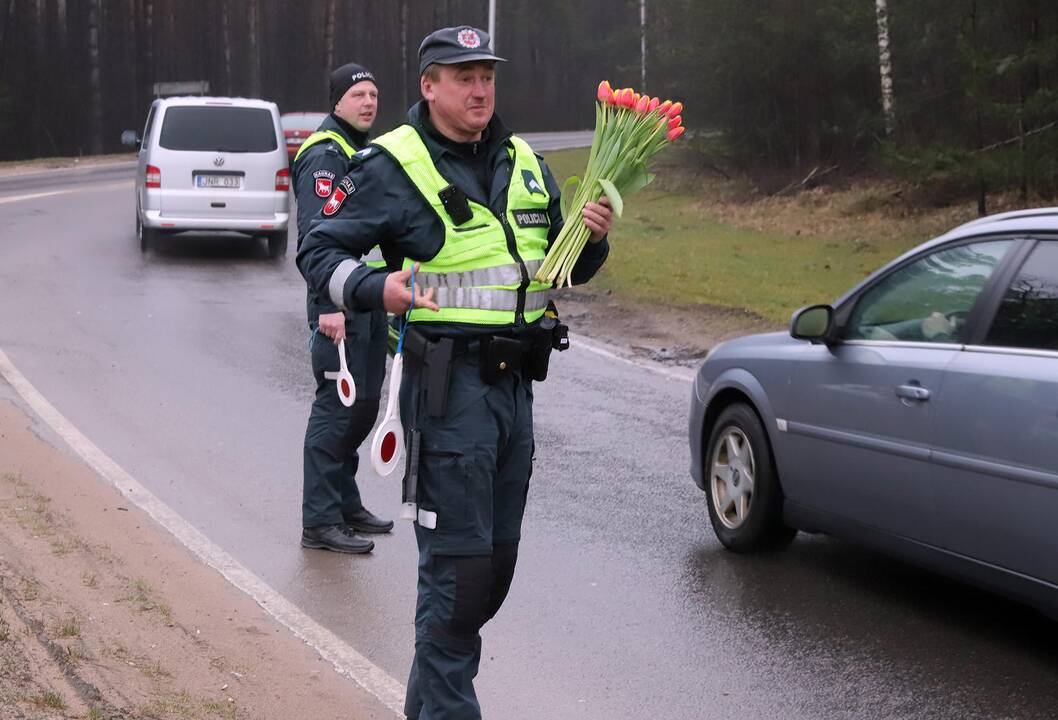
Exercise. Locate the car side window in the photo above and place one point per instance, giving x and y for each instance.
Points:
(1028, 314)
(928, 300)
(147, 127)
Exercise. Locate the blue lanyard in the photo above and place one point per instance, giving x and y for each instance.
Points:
(407, 316)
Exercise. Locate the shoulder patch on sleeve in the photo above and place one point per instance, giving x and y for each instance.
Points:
(324, 182)
(345, 189)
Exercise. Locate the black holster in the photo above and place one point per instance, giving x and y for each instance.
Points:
(549, 334)
(433, 360)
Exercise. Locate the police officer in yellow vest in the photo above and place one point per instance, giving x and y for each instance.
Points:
(472, 210)
(332, 511)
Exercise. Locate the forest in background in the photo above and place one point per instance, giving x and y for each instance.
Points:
(958, 92)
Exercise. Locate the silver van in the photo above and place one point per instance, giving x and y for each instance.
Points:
(212, 164)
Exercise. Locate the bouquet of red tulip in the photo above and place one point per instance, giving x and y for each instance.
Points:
(629, 130)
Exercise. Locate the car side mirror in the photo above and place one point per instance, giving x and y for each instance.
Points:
(812, 323)
(129, 138)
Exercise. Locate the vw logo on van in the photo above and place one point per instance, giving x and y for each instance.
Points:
(219, 160)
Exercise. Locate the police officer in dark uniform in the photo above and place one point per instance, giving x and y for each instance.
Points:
(473, 210)
(332, 511)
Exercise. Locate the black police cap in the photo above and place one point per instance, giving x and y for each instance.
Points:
(461, 44)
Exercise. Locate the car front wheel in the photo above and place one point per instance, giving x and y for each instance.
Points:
(745, 499)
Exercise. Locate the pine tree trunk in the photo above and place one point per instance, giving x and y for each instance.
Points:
(148, 40)
(5, 32)
(96, 86)
(255, 59)
(328, 37)
(225, 39)
(982, 188)
(885, 66)
(405, 99)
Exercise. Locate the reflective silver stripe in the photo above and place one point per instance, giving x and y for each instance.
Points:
(374, 255)
(499, 275)
(336, 287)
(537, 300)
(486, 299)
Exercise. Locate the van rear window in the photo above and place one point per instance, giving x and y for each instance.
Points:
(215, 128)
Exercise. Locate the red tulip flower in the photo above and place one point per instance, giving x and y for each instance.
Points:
(675, 133)
(676, 109)
(663, 108)
(643, 104)
(653, 105)
(605, 93)
(675, 122)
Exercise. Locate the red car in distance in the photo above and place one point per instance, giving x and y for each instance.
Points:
(296, 127)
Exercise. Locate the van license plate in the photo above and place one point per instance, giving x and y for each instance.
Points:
(218, 181)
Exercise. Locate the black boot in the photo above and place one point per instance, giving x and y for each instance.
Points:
(334, 537)
(364, 521)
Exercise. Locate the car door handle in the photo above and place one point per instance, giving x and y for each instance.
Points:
(912, 392)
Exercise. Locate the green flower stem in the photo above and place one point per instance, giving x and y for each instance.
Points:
(623, 143)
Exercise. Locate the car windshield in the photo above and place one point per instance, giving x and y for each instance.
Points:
(212, 128)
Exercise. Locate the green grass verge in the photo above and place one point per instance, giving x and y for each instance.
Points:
(672, 246)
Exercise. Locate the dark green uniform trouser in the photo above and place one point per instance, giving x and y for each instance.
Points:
(475, 464)
(335, 432)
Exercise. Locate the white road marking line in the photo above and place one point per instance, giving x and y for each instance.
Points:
(344, 658)
(67, 191)
(599, 348)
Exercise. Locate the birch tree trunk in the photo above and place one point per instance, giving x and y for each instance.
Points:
(885, 65)
(93, 65)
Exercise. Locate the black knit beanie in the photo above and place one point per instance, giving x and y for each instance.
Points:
(345, 77)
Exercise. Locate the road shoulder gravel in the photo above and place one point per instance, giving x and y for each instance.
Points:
(104, 615)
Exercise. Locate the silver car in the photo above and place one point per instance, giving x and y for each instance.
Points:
(212, 164)
(918, 414)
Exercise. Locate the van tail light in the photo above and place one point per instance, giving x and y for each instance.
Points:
(283, 179)
(154, 177)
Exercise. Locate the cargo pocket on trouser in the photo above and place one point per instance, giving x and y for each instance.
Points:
(458, 487)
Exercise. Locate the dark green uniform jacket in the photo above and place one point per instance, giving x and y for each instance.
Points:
(316, 173)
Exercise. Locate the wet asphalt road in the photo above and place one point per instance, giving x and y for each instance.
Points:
(189, 367)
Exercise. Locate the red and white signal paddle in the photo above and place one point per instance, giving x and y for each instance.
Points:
(388, 443)
(343, 379)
